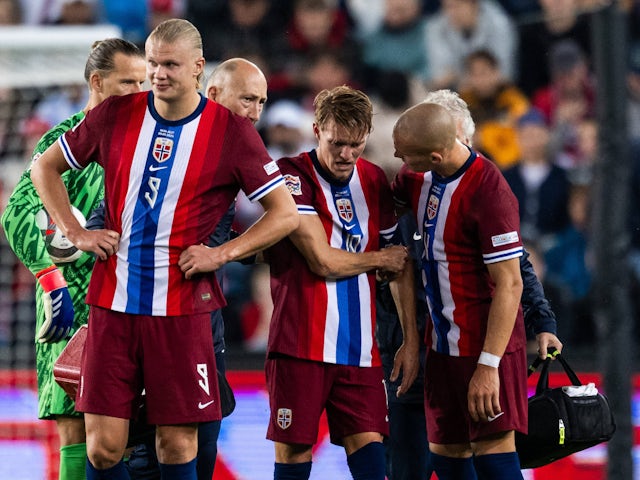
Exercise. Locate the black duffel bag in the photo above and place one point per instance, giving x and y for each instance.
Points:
(562, 420)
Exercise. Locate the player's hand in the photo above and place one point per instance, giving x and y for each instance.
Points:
(103, 243)
(58, 307)
(392, 261)
(545, 340)
(483, 396)
(200, 259)
(406, 361)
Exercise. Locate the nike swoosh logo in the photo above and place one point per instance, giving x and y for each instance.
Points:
(417, 236)
(153, 168)
(349, 227)
(491, 419)
(429, 225)
(204, 405)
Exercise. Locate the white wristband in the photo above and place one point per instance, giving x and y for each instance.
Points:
(489, 359)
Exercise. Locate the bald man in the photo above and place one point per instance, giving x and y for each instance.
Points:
(239, 85)
(468, 219)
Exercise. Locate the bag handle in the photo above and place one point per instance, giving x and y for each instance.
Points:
(543, 381)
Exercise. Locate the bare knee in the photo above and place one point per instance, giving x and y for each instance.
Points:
(106, 440)
(70, 430)
(292, 453)
(103, 454)
(176, 444)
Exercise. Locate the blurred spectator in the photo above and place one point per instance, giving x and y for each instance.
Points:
(60, 12)
(398, 43)
(541, 187)
(61, 103)
(287, 131)
(366, 15)
(161, 10)
(495, 104)
(396, 91)
(318, 34)
(568, 275)
(560, 20)
(319, 70)
(32, 130)
(570, 97)
(237, 27)
(130, 16)
(462, 26)
(582, 159)
(10, 12)
(74, 12)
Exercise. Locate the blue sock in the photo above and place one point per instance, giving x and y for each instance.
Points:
(117, 472)
(498, 466)
(180, 471)
(368, 463)
(292, 471)
(142, 463)
(207, 449)
(449, 468)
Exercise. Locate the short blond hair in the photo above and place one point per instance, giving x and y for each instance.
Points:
(176, 29)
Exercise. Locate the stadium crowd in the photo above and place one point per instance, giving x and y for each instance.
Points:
(524, 67)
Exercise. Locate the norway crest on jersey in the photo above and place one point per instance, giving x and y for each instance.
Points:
(162, 148)
(285, 416)
(432, 207)
(345, 209)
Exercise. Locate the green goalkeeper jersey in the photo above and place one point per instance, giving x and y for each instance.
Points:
(86, 190)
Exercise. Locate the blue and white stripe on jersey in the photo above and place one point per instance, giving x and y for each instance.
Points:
(348, 331)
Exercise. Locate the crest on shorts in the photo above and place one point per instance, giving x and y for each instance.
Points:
(162, 148)
(432, 207)
(293, 184)
(345, 210)
(284, 418)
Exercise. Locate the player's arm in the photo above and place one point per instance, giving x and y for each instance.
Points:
(46, 177)
(330, 262)
(26, 240)
(483, 395)
(406, 358)
(536, 309)
(279, 219)
(20, 227)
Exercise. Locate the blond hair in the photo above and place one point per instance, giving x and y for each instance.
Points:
(179, 29)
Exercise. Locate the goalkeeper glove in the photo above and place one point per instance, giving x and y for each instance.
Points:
(58, 307)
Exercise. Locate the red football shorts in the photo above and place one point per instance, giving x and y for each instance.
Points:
(445, 400)
(171, 358)
(299, 390)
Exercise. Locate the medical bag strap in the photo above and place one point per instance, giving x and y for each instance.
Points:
(543, 381)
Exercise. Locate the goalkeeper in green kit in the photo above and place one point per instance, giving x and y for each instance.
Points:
(114, 67)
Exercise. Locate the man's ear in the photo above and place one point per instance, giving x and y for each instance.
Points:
(95, 81)
(436, 157)
(212, 93)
